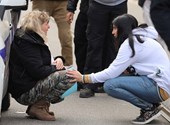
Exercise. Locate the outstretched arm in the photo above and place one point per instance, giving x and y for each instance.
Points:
(78, 77)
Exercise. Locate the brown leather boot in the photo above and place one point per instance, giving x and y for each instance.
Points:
(47, 109)
(39, 110)
(47, 105)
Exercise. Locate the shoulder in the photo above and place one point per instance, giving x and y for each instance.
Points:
(27, 36)
(125, 44)
(125, 48)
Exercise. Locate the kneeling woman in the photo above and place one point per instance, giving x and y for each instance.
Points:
(150, 83)
(35, 78)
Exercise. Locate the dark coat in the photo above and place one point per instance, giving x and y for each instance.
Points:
(30, 61)
(72, 5)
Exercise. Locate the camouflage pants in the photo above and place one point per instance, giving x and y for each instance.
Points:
(49, 89)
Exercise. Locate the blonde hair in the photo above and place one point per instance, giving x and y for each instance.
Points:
(34, 20)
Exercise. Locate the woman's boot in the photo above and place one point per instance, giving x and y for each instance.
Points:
(47, 109)
(39, 110)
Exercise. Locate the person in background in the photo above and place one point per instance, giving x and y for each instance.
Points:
(149, 85)
(35, 78)
(57, 9)
(80, 39)
(100, 50)
(160, 15)
(146, 5)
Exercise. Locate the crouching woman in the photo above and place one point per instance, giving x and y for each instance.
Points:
(35, 78)
(150, 83)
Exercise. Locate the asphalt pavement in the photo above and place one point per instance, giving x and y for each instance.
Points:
(99, 110)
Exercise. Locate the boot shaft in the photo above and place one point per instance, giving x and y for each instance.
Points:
(40, 110)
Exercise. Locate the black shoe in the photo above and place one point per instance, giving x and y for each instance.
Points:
(86, 93)
(80, 86)
(99, 90)
(147, 116)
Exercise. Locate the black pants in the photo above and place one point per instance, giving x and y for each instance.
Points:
(101, 50)
(80, 41)
(160, 15)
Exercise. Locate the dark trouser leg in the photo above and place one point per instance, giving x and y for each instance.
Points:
(160, 15)
(80, 42)
(100, 52)
(96, 31)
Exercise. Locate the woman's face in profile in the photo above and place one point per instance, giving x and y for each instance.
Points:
(45, 26)
(115, 31)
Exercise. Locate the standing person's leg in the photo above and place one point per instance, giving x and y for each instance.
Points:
(64, 30)
(148, 21)
(96, 31)
(109, 51)
(42, 6)
(160, 15)
(139, 91)
(80, 42)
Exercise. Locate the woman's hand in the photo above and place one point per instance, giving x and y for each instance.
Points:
(59, 63)
(76, 75)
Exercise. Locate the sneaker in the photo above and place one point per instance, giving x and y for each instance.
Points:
(147, 116)
(86, 93)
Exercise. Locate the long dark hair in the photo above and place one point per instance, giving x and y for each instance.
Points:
(125, 24)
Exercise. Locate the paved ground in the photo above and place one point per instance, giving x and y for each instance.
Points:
(99, 110)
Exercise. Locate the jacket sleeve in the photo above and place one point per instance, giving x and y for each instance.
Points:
(72, 5)
(30, 57)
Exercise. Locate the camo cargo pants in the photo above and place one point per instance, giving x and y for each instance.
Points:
(49, 89)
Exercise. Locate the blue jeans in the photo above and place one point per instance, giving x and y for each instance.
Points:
(140, 91)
